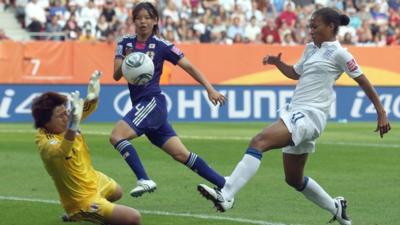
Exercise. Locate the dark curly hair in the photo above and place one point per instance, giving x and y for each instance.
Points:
(43, 106)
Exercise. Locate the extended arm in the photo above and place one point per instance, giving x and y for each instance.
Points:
(214, 96)
(117, 69)
(287, 70)
(383, 122)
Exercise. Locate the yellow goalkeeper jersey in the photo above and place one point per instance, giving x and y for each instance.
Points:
(70, 166)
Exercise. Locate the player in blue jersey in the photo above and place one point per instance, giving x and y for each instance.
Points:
(148, 115)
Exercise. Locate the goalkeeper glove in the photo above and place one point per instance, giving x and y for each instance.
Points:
(76, 111)
(93, 89)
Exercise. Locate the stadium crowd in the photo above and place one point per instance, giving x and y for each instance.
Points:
(283, 22)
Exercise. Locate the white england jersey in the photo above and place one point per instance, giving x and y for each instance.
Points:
(319, 68)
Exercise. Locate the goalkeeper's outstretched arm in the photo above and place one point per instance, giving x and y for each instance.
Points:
(92, 98)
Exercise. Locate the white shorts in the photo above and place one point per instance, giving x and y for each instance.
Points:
(305, 125)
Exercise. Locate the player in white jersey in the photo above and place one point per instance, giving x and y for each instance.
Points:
(323, 61)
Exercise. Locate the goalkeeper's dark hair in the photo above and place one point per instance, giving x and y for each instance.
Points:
(43, 106)
(151, 10)
(330, 15)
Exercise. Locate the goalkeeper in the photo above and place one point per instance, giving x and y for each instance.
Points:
(85, 193)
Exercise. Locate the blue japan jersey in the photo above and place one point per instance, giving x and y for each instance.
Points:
(157, 49)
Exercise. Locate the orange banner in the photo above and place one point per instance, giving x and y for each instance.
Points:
(73, 62)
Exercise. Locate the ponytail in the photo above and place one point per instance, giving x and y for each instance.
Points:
(331, 16)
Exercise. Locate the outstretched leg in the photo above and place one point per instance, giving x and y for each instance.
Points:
(274, 136)
(175, 148)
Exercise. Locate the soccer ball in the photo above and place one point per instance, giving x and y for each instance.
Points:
(138, 68)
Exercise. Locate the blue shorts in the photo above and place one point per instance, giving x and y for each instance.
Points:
(149, 116)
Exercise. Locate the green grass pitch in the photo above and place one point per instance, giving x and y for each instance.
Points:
(350, 160)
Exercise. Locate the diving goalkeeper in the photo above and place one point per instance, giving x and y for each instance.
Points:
(85, 193)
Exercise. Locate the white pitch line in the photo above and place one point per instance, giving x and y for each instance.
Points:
(163, 213)
(234, 138)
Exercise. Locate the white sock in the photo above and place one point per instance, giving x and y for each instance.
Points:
(315, 193)
(244, 170)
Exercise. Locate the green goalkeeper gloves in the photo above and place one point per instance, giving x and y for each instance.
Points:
(76, 111)
(94, 86)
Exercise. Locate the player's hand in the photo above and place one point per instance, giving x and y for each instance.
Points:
(216, 97)
(383, 124)
(273, 60)
(93, 89)
(128, 51)
(76, 111)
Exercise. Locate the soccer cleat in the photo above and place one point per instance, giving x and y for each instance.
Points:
(341, 216)
(142, 187)
(216, 197)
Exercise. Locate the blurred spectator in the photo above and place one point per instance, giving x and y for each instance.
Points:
(288, 16)
(89, 14)
(191, 37)
(355, 20)
(347, 39)
(3, 35)
(87, 35)
(252, 30)
(44, 4)
(338, 4)
(278, 5)
(364, 34)
(394, 18)
(171, 11)
(20, 6)
(394, 4)
(255, 13)
(218, 26)
(57, 9)
(73, 11)
(269, 33)
(182, 28)
(379, 39)
(205, 35)
(169, 35)
(121, 11)
(268, 9)
(238, 38)
(235, 28)
(379, 16)
(372, 22)
(227, 5)
(54, 27)
(72, 29)
(287, 40)
(102, 28)
(346, 29)
(364, 13)
(35, 17)
(237, 13)
(110, 14)
(301, 32)
(168, 25)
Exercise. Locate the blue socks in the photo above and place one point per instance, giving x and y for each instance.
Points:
(128, 152)
(199, 166)
(253, 152)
